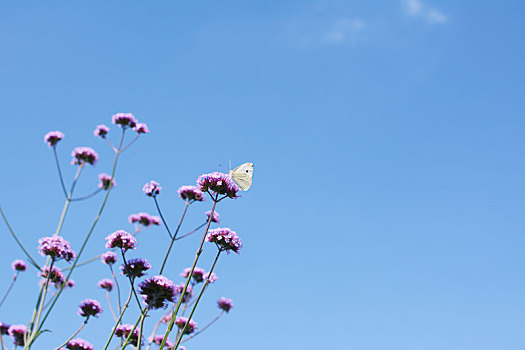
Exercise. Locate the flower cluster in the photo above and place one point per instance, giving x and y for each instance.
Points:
(191, 193)
(82, 155)
(219, 183)
(18, 332)
(89, 307)
(225, 239)
(124, 120)
(216, 218)
(105, 181)
(79, 344)
(225, 304)
(124, 330)
(53, 137)
(144, 219)
(4, 328)
(135, 268)
(19, 265)
(181, 323)
(198, 274)
(187, 295)
(157, 291)
(109, 258)
(56, 247)
(211, 278)
(158, 340)
(121, 239)
(141, 128)
(56, 276)
(106, 284)
(151, 189)
(101, 131)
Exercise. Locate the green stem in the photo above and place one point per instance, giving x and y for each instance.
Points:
(9, 289)
(119, 318)
(74, 334)
(42, 301)
(173, 237)
(59, 171)
(68, 199)
(197, 255)
(204, 328)
(111, 306)
(197, 301)
(118, 288)
(31, 260)
(191, 232)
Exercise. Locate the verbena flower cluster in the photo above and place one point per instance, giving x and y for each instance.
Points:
(141, 286)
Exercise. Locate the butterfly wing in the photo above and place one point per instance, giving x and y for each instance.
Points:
(242, 175)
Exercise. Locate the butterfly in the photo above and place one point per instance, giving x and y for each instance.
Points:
(242, 175)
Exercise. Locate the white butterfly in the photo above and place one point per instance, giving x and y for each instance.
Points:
(242, 175)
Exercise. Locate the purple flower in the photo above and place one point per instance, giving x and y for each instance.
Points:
(211, 278)
(4, 328)
(225, 239)
(225, 304)
(53, 137)
(89, 307)
(106, 284)
(19, 265)
(79, 344)
(189, 292)
(219, 183)
(56, 247)
(151, 189)
(157, 291)
(216, 218)
(158, 340)
(191, 193)
(144, 219)
(198, 274)
(101, 131)
(109, 258)
(121, 239)
(70, 283)
(181, 323)
(56, 277)
(155, 220)
(17, 332)
(83, 155)
(124, 120)
(124, 330)
(141, 128)
(135, 268)
(105, 180)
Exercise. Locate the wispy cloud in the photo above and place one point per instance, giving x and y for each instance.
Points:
(418, 9)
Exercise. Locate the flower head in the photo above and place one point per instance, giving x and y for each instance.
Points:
(219, 183)
(106, 284)
(4, 328)
(211, 277)
(53, 137)
(135, 268)
(56, 247)
(141, 128)
(198, 274)
(19, 265)
(187, 295)
(158, 340)
(191, 193)
(181, 323)
(144, 219)
(70, 283)
(18, 332)
(121, 239)
(225, 304)
(124, 120)
(124, 330)
(151, 189)
(56, 276)
(105, 180)
(101, 131)
(216, 218)
(109, 258)
(157, 291)
(225, 239)
(79, 344)
(82, 155)
(89, 307)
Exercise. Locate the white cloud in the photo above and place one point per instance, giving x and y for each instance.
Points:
(417, 9)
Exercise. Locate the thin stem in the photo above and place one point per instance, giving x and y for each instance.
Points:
(162, 217)
(59, 171)
(118, 287)
(197, 301)
(119, 318)
(9, 289)
(42, 301)
(191, 232)
(73, 335)
(86, 197)
(197, 255)
(110, 144)
(111, 306)
(141, 329)
(68, 200)
(204, 328)
(131, 281)
(173, 238)
(150, 339)
(90, 230)
(129, 144)
(141, 318)
(31, 260)
(84, 262)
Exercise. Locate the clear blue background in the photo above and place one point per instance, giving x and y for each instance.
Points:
(387, 210)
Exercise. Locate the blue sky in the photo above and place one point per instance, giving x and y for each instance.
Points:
(388, 197)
